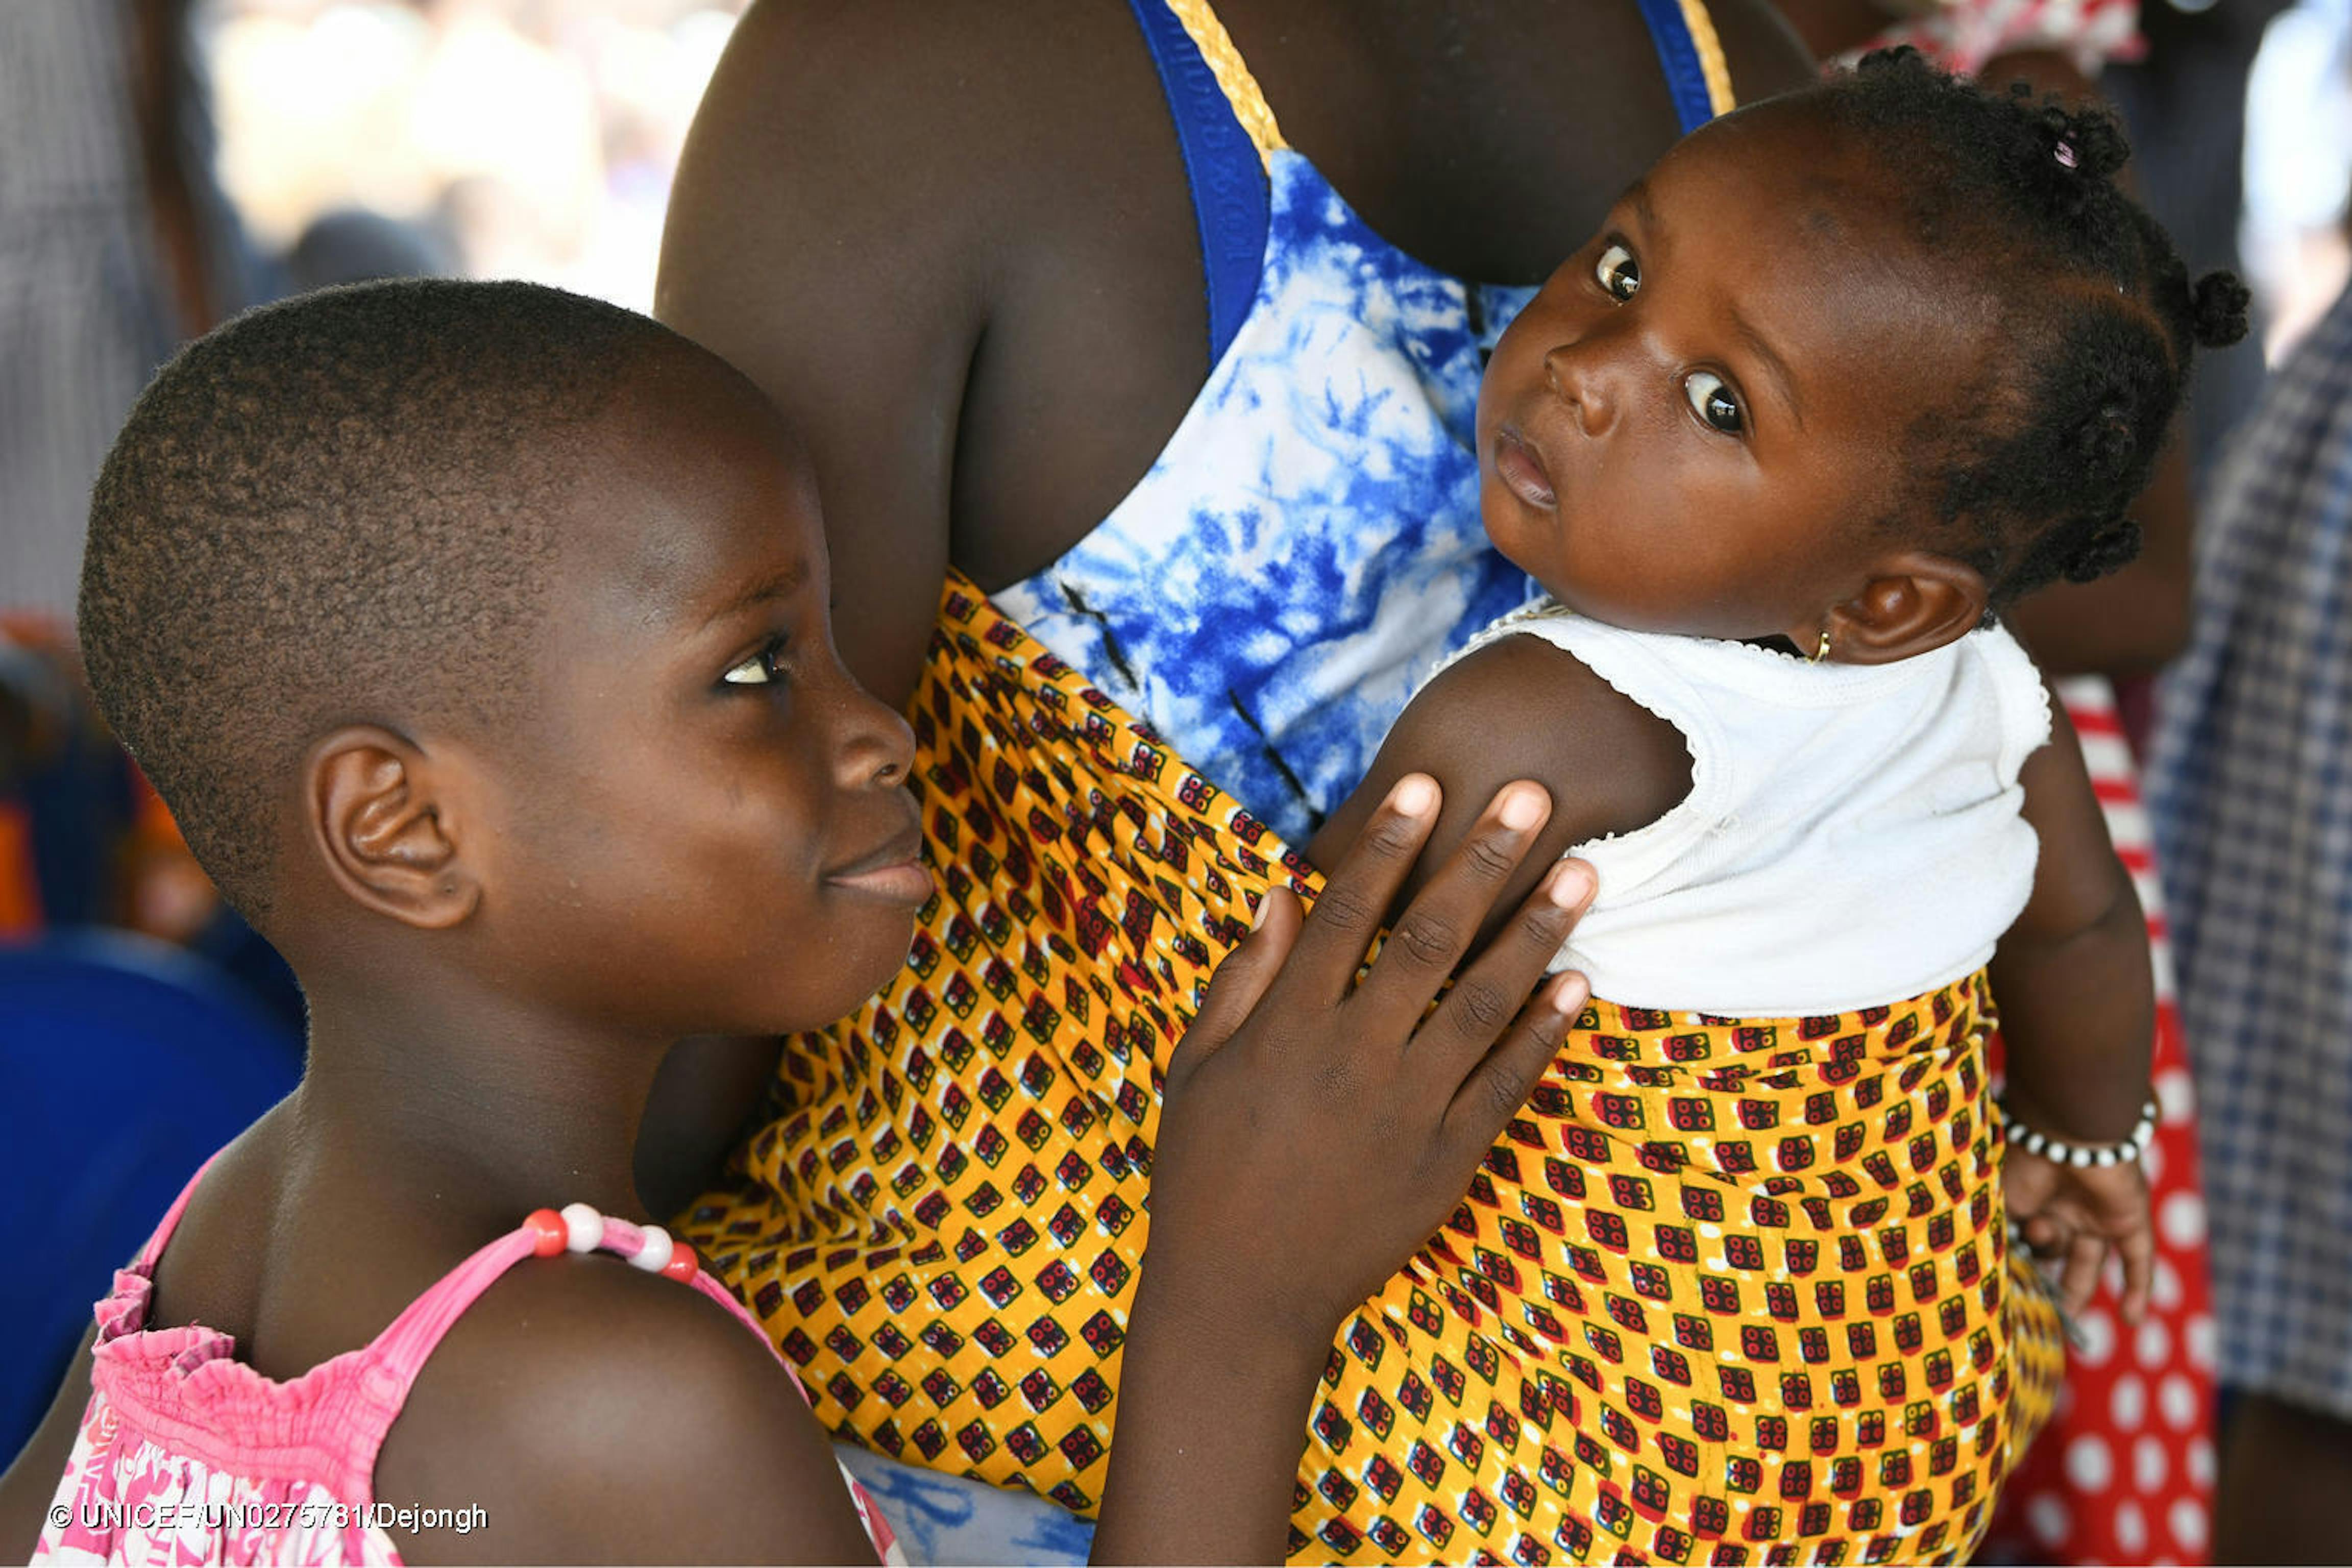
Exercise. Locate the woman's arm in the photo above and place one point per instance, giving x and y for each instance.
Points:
(703, 1099)
(1316, 1132)
(830, 236)
(2077, 1003)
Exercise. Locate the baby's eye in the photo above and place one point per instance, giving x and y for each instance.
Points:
(760, 669)
(1618, 272)
(1713, 402)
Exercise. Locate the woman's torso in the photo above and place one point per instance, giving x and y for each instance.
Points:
(1307, 544)
(1485, 141)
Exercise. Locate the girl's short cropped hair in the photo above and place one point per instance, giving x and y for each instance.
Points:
(339, 509)
(2032, 470)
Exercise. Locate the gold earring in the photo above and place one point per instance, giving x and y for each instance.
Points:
(1822, 652)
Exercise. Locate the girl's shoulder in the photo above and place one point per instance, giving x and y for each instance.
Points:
(585, 1408)
(592, 1409)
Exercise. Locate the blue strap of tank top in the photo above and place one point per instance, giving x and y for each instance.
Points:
(1221, 163)
(1230, 203)
(1679, 58)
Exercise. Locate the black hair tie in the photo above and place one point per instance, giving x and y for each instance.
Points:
(2109, 550)
(2217, 310)
(2096, 141)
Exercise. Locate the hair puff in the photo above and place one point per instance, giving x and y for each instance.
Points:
(2109, 550)
(2217, 308)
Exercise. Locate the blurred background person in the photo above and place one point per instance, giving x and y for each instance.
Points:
(115, 244)
(2298, 167)
(2252, 799)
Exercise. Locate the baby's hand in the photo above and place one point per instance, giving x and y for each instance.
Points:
(2077, 1213)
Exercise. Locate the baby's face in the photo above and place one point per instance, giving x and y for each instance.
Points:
(705, 824)
(1695, 424)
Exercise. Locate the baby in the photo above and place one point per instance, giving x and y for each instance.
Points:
(1780, 445)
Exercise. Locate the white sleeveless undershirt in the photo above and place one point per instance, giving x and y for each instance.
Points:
(1852, 836)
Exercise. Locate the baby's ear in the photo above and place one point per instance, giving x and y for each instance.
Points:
(384, 816)
(1913, 603)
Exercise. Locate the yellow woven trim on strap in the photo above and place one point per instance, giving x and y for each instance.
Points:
(1225, 62)
(1720, 96)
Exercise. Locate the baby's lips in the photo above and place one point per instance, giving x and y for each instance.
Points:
(1522, 470)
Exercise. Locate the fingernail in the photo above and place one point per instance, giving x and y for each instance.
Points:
(1414, 796)
(1522, 808)
(1265, 908)
(1570, 885)
(1569, 996)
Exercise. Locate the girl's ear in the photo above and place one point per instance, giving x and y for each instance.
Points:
(1913, 603)
(384, 824)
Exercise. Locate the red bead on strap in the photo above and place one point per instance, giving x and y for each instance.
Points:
(682, 1262)
(547, 1232)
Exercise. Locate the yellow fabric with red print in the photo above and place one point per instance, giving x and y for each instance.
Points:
(1729, 1291)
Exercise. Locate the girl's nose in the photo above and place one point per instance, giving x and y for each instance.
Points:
(879, 749)
(1578, 379)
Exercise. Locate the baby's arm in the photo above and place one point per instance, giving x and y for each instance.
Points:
(1522, 708)
(2077, 1005)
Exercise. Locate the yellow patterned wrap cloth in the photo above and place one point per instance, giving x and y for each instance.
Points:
(1727, 1291)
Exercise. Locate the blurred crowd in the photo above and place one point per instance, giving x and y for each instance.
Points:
(515, 138)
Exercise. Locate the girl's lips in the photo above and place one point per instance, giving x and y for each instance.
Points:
(896, 871)
(1522, 471)
(905, 882)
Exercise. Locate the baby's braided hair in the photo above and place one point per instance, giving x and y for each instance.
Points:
(2034, 466)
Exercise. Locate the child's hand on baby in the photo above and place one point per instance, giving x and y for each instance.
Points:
(2076, 1215)
(1318, 1126)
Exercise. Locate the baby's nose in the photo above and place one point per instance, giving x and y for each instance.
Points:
(1578, 379)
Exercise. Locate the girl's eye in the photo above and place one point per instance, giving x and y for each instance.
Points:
(760, 669)
(1618, 272)
(1712, 401)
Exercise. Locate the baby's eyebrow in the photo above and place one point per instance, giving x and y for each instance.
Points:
(1637, 196)
(1761, 348)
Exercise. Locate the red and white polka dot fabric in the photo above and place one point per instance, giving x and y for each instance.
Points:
(2124, 1473)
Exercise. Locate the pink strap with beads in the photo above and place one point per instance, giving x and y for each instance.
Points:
(387, 1366)
(184, 1392)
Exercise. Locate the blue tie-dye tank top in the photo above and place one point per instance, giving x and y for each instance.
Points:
(1307, 547)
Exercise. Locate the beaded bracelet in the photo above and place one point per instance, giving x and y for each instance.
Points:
(2082, 1156)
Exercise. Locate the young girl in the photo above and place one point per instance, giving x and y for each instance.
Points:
(478, 636)
(1842, 377)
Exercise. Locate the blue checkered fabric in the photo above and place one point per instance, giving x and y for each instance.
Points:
(2251, 789)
